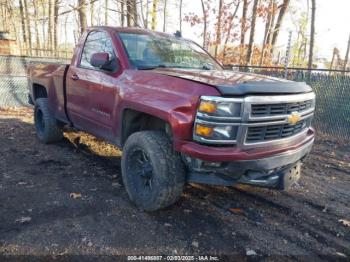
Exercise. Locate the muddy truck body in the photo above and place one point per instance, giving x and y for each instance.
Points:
(177, 115)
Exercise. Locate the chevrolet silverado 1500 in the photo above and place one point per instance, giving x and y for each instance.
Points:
(177, 115)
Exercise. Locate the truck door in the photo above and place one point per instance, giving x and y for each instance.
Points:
(90, 100)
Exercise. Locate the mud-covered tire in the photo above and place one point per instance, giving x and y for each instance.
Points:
(153, 173)
(47, 127)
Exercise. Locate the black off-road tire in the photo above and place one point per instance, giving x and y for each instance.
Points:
(48, 129)
(157, 181)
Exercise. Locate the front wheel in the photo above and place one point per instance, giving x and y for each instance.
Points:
(153, 173)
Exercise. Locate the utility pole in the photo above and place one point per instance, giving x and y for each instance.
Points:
(312, 34)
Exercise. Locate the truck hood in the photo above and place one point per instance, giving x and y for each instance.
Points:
(238, 83)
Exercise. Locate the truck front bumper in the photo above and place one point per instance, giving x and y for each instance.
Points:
(258, 167)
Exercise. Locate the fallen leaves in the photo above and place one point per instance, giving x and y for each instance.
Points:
(251, 252)
(238, 211)
(24, 220)
(345, 222)
(75, 195)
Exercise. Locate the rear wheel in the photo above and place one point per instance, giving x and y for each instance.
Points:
(153, 173)
(47, 127)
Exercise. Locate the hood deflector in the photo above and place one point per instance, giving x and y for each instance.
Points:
(247, 84)
(264, 87)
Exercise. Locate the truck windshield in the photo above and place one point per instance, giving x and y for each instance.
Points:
(153, 51)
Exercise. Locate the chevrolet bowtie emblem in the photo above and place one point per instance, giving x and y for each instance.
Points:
(293, 118)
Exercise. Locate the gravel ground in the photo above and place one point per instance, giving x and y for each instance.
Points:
(68, 199)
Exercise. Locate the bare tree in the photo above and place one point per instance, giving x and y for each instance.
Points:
(92, 13)
(28, 26)
(312, 33)
(164, 14)
(131, 13)
(122, 10)
(267, 30)
(280, 18)
(43, 23)
(347, 55)
(218, 28)
(252, 33)
(36, 29)
(230, 25)
(243, 27)
(180, 15)
(49, 27)
(205, 22)
(106, 12)
(154, 14)
(24, 35)
(55, 25)
(82, 15)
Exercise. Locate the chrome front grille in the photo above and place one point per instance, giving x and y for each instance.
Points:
(260, 110)
(264, 120)
(271, 132)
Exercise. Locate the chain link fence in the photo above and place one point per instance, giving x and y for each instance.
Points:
(332, 114)
(13, 79)
(332, 88)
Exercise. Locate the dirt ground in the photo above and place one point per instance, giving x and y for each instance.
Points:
(40, 216)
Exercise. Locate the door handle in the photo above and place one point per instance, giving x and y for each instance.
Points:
(75, 77)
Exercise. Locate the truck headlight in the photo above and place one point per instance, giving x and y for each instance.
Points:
(219, 107)
(208, 132)
(218, 119)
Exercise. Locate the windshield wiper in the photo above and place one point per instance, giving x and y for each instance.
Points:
(151, 67)
(206, 67)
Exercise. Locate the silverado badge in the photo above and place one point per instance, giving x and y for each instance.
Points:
(293, 118)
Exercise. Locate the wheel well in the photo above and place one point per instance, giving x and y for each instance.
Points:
(135, 121)
(39, 91)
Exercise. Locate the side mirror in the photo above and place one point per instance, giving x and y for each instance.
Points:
(102, 61)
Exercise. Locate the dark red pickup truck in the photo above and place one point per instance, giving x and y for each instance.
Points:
(178, 116)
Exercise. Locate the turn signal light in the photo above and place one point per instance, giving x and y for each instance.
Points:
(204, 130)
(207, 107)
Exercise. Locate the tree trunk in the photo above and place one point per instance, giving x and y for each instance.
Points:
(49, 27)
(154, 14)
(218, 28)
(131, 14)
(134, 12)
(43, 10)
(122, 14)
(147, 14)
(347, 55)
(92, 13)
(106, 12)
(252, 34)
(21, 11)
(230, 27)
(273, 18)
(164, 15)
(128, 13)
(180, 16)
(243, 28)
(279, 23)
(82, 15)
(28, 26)
(205, 16)
(55, 25)
(36, 29)
(267, 30)
(333, 58)
(312, 33)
